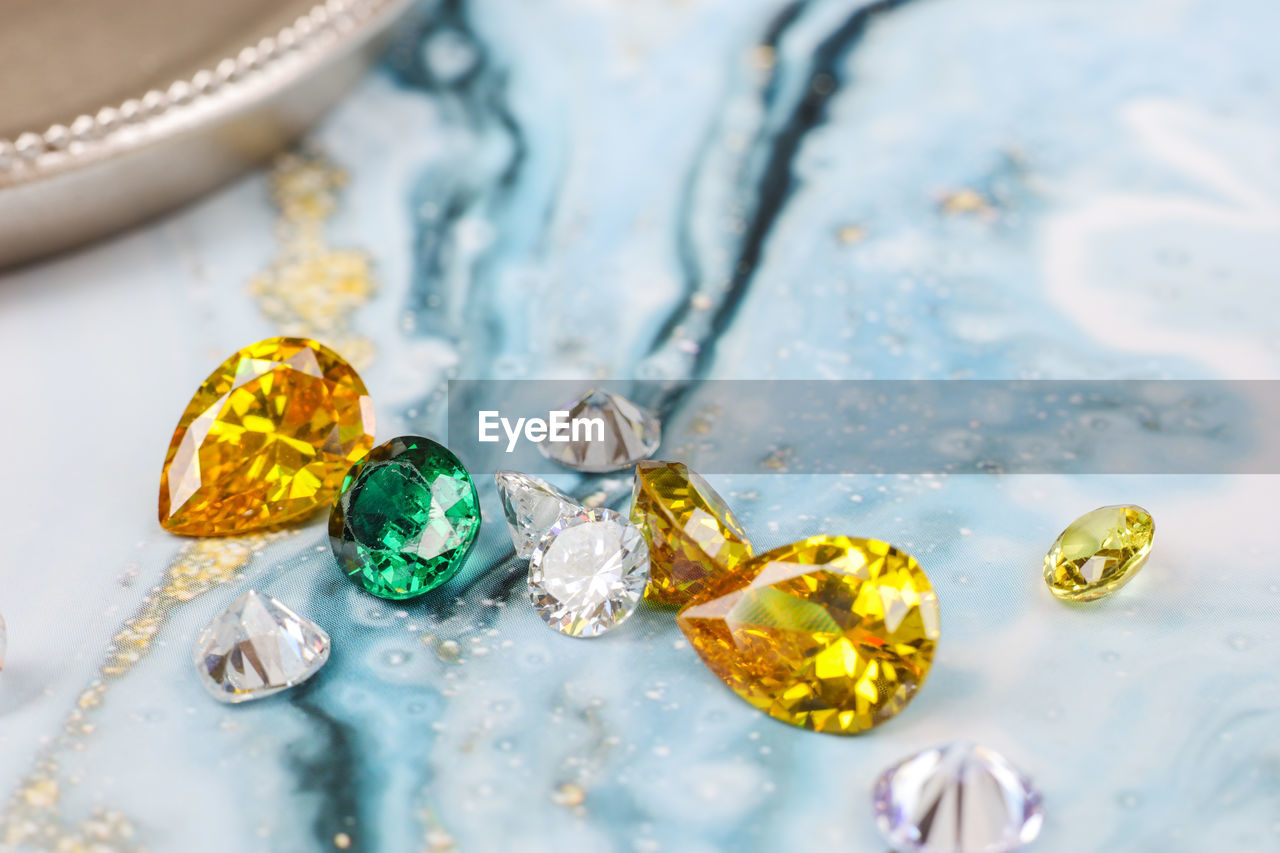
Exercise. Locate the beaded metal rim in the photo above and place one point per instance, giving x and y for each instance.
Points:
(33, 155)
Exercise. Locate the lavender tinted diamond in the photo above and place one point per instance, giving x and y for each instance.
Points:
(958, 798)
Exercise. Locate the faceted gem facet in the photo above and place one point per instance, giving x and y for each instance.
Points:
(257, 647)
(407, 515)
(266, 439)
(958, 798)
(588, 572)
(531, 507)
(626, 434)
(692, 534)
(831, 633)
(1099, 552)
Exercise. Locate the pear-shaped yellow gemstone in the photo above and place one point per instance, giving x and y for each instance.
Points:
(693, 536)
(266, 439)
(1099, 552)
(832, 633)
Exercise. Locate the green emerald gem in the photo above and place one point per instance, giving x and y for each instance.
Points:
(405, 519)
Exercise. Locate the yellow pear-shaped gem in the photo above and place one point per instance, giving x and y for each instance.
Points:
(693, 536)
(832, 633)
(1099, 552)
(266, 439)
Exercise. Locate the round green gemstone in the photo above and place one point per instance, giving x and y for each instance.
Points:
(405, 519)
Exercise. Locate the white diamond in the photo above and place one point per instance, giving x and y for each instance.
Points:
(588, 572)
(4, 642)
(631, 433)
(958, 798)
(257, 647)
(531, 506)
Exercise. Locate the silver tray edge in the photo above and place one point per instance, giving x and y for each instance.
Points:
(105, 178)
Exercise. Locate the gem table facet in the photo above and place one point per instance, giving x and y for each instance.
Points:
(406, 518)
(266, 439)
(692, 534)
(831, 633)
(588, 572)
(257, 647)
(531, 506)
(630, 433)
(958, 798)
(1099, 552)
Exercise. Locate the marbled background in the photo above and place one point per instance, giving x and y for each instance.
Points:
(683, 189)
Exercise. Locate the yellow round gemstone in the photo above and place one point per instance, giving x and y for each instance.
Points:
(266, 439)
(1099, 552)
(832, 633)
(692, 534)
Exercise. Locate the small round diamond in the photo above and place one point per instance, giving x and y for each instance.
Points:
(588, 572)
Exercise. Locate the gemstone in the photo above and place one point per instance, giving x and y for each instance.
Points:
(958, 798)
(405, 519)
(692, 534)
(257, 647)
(266, 439)
(1099, 552)
(625, 434)
(4, 642)
(588, 572)
(831, 633)
(531, 506)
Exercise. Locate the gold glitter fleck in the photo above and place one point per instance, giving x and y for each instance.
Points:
(310, 289)
(763, 57)
(850, 235)
(342, 841)
(704, 420)
(965, 201)
(435, 838)
(569, 795)
(779, 459)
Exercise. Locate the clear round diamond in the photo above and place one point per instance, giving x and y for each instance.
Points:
(631, 433)
(957, 798)
(532, 506)
(588, 572)
(257, 647)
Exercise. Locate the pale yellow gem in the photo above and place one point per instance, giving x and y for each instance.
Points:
(1099, 552)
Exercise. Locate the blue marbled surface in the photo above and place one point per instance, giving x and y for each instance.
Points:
(696, 189)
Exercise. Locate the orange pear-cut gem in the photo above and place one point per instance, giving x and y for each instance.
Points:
(693, 536)
(831, 633)
(266, 439)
